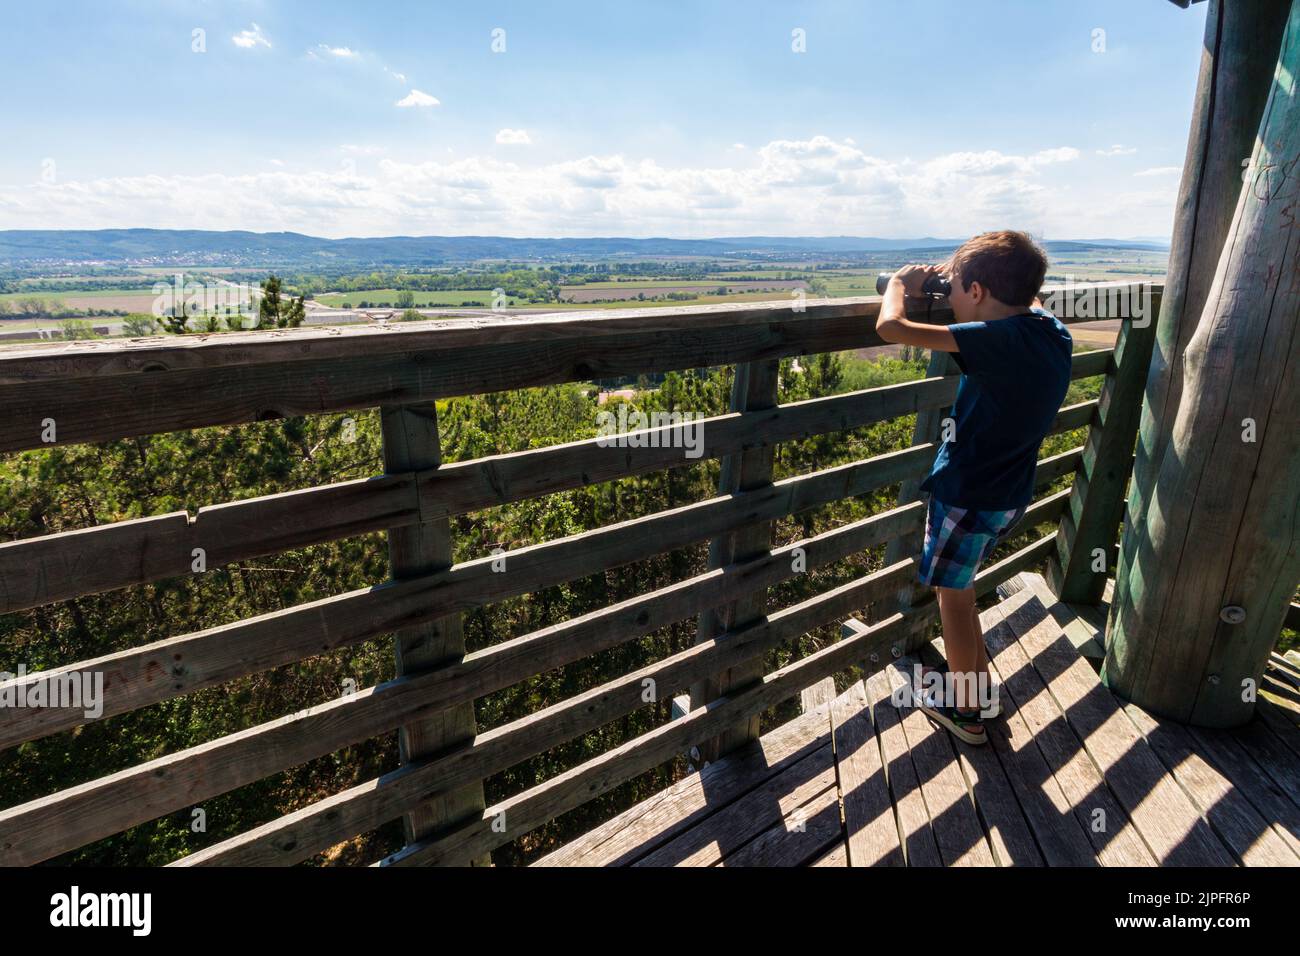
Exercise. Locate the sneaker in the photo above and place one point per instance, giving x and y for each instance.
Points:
(968, 727)
(988, 713)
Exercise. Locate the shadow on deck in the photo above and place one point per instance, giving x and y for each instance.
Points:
(1071, 776)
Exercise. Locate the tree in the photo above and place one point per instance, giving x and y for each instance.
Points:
(268, 310)
(78, 329)
(293, 315)
(173, 323)
(138, 324)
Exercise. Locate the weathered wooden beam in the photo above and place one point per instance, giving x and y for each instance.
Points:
(55, 567)
(300, 835)
(928, 426)
(871, 650)
(1214, 566)
(1238, 58)
(1099, 498)
(754, 388)
(68, 819)
(95, 395)
(108, 358)
(95, 391)
(411, 443)
(210, 657)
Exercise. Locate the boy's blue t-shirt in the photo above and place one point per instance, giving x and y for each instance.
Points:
(1016, 373)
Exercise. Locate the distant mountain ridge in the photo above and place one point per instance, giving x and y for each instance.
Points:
(199, 246)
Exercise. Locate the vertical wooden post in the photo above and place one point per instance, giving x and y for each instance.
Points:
(929, 424)
(1237, 63)
(754, 388)
(1085, 539)
(1217, 560)
(410, 434)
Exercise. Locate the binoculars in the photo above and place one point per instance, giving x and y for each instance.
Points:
(935, 285)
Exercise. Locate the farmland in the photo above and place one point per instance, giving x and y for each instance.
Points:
(40, 297)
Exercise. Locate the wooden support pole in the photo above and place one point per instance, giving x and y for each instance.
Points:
(1237, 63)
(1089, 527)
(929, 424)
(1215, 564)
(410, 434)
(754, 388)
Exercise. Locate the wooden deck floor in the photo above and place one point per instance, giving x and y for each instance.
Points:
(1071, 776)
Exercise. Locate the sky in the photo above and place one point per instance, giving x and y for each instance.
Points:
(889, 118)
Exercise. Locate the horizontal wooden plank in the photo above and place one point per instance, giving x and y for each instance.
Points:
(102, 358)
(1045, 807)
(871, 832)
(1159, 808)
(69, 564)
(142, 403)
(210, 657)
(808, 831)
(394, 368)
(642, 828)
(71, 818)
(1226, 808)
(530, 809)
(948, 800)
(107, 358)
(306, 832)
(213, 656)
(1075, 416)
(818, 695)
(890, 638)
(1047, 757)
(55, 567)
(776, 802)
(916, 837)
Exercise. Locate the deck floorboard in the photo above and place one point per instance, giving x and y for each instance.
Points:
(1071, 776)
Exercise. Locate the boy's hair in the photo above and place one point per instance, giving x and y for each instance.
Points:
(1009, 264)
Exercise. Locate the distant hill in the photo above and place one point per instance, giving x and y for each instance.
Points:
(202, 247)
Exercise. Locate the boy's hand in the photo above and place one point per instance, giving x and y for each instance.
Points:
(892, 323)
(913, 277)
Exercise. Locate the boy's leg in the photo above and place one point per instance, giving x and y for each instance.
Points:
(963, 643)
(980, 646)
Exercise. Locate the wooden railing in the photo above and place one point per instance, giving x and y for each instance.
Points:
(100, 390)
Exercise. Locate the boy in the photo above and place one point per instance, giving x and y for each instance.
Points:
(1015, 360)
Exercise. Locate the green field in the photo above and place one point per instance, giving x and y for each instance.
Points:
(75, 294)
(388, 298)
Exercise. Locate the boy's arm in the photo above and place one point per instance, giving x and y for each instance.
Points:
(893, 325)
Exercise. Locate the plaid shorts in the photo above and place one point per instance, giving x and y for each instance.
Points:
(957, 540)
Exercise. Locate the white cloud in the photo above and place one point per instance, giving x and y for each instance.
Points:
(362, 149)
(247, 39)
(416, 98)
(816, 186)
(1118, 150)
(513, 137)
(738, 146)
(399, 77)
(342, 52)
(1159, 171)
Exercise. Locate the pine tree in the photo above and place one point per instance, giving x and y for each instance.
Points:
(268, 310)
